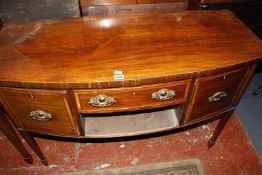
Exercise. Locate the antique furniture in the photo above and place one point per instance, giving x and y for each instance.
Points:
(119, 76)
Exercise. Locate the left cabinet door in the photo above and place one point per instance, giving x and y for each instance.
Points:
(40, 111)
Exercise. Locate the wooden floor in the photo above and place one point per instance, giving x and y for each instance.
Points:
(233, 154)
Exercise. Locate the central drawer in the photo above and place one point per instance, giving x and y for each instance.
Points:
(132, 98)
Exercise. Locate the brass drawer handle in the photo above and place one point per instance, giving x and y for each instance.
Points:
(217, 96)
(163, 94)
(41, 115)
(102, 101)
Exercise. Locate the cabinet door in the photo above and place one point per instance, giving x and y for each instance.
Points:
(40, 111)
(215, 94)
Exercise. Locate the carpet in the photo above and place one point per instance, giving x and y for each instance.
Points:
(184, 167)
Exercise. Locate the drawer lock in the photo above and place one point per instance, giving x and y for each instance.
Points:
(163, 94)
(217, 96)
(41, 115)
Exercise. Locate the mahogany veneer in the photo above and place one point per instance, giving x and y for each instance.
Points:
(57, 77)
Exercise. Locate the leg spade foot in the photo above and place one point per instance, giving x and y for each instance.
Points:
(33, 144)
(28, 159)
(7, 128)
(211, 143)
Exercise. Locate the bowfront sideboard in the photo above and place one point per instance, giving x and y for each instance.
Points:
(121, 76)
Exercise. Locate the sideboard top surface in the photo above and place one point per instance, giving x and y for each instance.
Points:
(148, 48)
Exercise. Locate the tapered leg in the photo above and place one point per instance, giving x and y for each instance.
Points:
(33, 144)
(10, 133)
(220, 126)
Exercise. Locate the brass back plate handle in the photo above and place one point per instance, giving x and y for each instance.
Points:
(41, 115)
(217, 96)
(102, 101)
(163, 94)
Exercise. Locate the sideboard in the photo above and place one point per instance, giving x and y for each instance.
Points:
(122, 76)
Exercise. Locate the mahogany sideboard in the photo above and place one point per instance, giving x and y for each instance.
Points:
(119, 76)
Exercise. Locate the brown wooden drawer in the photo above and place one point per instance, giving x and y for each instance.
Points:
(215, 93)
(21, 103)
(135, 98)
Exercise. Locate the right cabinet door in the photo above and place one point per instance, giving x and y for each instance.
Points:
(214, 94)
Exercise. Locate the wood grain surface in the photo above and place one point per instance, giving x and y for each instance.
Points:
(148, 48)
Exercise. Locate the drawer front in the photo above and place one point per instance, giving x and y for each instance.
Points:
(215, 93)
(40, 111)
(130, 99)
